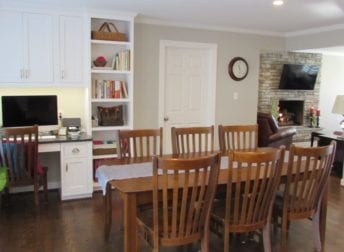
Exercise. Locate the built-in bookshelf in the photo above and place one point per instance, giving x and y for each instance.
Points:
(111, 85)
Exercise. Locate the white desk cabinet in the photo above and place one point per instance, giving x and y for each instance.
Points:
(76, 170)
(26, 47)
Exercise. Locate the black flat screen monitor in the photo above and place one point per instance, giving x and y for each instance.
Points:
(29, 110)
(300, 77)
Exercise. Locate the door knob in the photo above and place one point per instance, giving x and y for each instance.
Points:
(166, 118)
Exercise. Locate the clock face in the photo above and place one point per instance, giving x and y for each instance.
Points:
(238, 68)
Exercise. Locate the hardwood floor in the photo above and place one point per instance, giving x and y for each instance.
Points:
(78, 226)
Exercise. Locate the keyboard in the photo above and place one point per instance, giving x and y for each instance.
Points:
(47, 137)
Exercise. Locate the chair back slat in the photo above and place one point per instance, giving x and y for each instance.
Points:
(188, 188)
(238, 137)
(192, 139)
(249, 199)
(18, 152)
(308, 172)
(140, 143)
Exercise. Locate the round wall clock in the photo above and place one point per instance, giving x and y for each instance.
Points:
(238, 68)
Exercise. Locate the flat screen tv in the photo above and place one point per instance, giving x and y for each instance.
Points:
(29, 110)
(299, 77)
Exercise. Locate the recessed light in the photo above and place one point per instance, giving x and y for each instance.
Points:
(278, 2)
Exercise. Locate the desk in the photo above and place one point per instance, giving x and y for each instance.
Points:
(138, 190)
(324, 138)
(75, 164)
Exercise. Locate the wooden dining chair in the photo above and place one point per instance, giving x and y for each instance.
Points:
(238, 137)
(19, 154)
(253, 179)
(140, 143)
(192, 139)
(183, 193)
(308, 172)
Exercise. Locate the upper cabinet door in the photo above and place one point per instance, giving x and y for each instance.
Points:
(38, 48)
(11, 47)
(70, 50)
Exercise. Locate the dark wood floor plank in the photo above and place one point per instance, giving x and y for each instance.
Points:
(78, 226)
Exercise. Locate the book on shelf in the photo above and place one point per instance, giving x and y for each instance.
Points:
(121, 61)
(109, 89)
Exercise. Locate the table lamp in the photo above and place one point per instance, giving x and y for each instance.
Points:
(338, 108)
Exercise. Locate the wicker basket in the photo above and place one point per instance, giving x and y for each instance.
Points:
(105, 32)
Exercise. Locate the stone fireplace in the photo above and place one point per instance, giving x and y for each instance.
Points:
(294, 104)
(290, 112)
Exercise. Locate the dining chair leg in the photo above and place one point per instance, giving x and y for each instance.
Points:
(226, 239)
(205, 241)
(36, 195)
(267, 237)
(45, 186)
(316, 231)
(284, 230)
(108, 212)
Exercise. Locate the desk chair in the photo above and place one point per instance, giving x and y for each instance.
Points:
(308, 172)
(238, 137)
(140, 143)
(19, 154)
(192, 139)
(183, 194)
(253, 179)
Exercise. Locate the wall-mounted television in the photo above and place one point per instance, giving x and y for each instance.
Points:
(298, 76)
(29, 110)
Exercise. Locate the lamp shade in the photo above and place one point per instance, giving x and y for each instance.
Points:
(338, 107)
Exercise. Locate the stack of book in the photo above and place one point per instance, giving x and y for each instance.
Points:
(107, 89)
(121, 61)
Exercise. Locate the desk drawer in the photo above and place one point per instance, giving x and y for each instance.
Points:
(76, 149)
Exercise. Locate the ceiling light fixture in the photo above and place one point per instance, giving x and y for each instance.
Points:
(278, 2)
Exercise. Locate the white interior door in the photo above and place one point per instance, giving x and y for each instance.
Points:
(187, 86)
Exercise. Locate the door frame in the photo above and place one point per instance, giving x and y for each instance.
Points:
(212, 50)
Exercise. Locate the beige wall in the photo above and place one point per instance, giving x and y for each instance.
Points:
(71, 101)
(228, 110)
(332, 84)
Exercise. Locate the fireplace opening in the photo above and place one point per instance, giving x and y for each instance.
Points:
(290, 112)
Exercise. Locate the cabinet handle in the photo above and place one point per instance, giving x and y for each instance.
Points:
(27, 74)
(66, 167)
(62, 74)
(21, 73)
(75, 150)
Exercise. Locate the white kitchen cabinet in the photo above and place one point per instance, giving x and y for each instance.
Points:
(76, 170)
(71, 43)
(11, 46)
(26, 47)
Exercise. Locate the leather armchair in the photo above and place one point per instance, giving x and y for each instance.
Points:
(270, 134)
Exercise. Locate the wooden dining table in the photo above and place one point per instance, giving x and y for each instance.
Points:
(136, 191)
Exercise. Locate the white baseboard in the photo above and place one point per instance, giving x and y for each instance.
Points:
(51, 185)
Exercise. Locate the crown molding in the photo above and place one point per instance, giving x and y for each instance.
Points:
(315, 30)
(153, 21)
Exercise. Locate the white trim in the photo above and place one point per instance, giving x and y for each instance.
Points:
(212, 49)
(19, 189)
(314, 30)
(153, 21)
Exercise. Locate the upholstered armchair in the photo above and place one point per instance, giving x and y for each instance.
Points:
(270, 134)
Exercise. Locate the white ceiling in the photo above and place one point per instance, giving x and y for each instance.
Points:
(259, 16)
